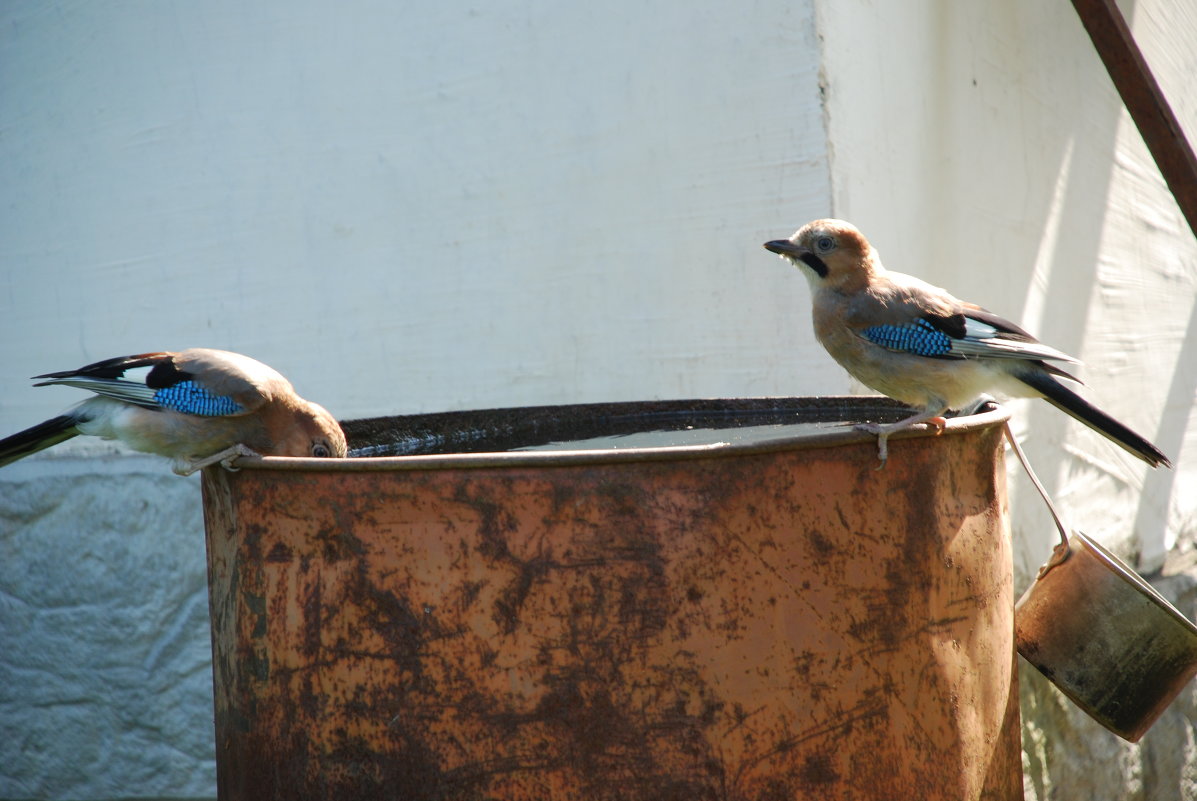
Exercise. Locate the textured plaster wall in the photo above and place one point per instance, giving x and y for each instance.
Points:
(105, 678)
(983, 147)
(401, 208)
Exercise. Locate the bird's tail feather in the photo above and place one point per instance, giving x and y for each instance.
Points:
(37, 438)
(1073, 404)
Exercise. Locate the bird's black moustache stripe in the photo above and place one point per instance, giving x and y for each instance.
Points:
(815, 263)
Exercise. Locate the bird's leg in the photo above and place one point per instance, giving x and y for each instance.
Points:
(932, 417)
(185, 467)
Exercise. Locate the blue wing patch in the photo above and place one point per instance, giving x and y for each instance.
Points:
(920, 338)
(189, 397)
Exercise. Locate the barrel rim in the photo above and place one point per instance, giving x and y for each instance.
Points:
(988, 415)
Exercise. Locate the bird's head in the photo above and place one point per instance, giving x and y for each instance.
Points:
(832, 254)
(312, 432)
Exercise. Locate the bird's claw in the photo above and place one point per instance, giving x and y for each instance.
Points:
(225, 458)
(183, 467)
(882, 440)
(882, 433)
(229, 456)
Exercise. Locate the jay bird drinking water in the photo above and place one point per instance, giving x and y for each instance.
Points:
(919, 345)
(196, 406)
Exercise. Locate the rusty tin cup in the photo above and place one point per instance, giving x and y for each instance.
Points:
(1104, 636)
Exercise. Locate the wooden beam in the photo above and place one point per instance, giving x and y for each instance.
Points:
(1144, 100)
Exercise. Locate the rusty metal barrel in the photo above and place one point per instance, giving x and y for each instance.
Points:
(761, 618)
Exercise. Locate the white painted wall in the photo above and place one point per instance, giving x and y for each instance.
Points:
(410, 210)
(463, 206)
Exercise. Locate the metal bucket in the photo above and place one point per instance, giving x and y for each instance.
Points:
(1106, 638)
(1102, 634)
(760, 619)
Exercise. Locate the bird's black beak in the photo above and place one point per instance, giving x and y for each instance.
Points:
(797, 253)
(784, 247)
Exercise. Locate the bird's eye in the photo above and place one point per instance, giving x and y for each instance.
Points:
(321, 450)
(824, 244)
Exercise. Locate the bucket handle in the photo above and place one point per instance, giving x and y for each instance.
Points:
(1061, 551)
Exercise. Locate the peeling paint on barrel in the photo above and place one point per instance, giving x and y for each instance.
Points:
(777, 624)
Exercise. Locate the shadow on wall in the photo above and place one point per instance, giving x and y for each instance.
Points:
(1021, 162)
(1178, 406)
(1072, 201)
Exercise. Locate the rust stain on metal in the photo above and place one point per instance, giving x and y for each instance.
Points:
(777, 625)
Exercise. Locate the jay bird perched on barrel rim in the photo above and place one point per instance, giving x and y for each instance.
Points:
(197, 406)
(920, 345)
